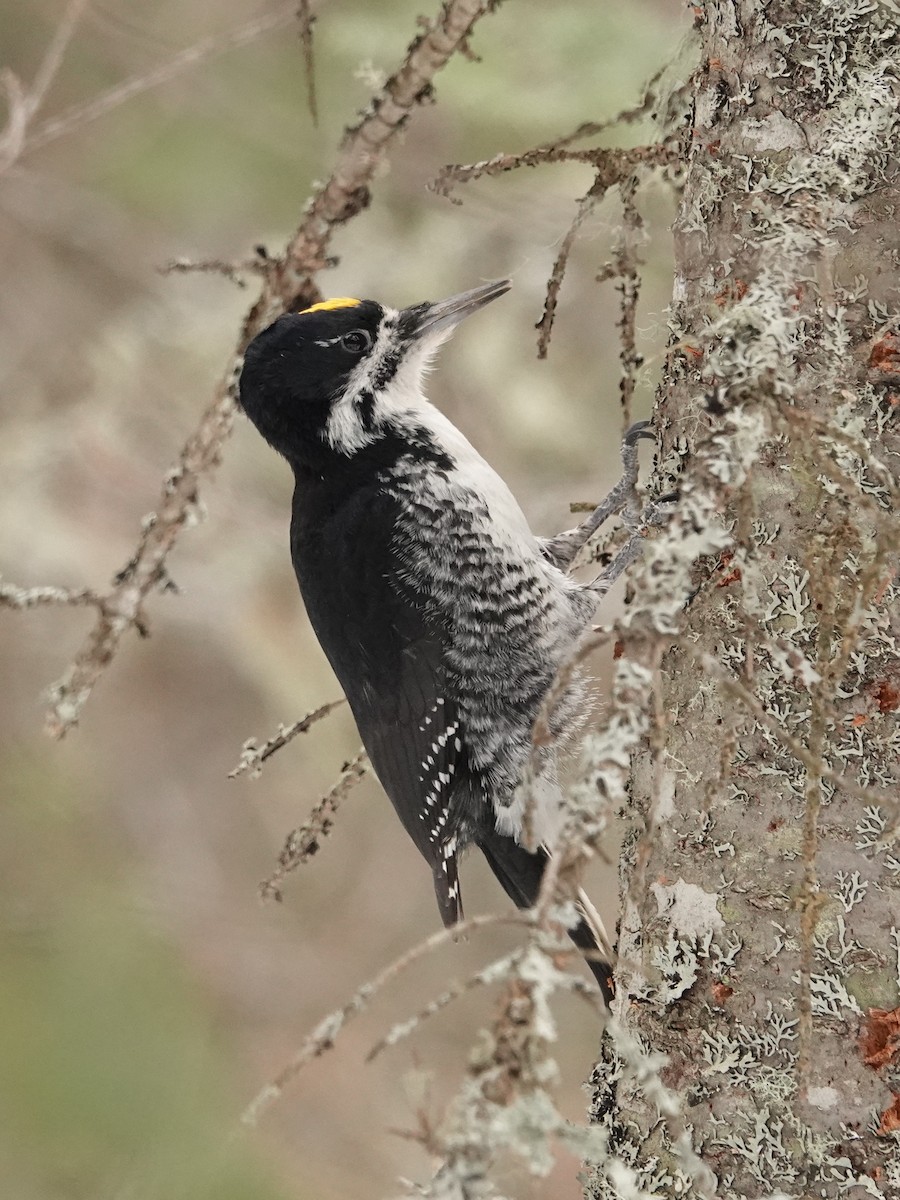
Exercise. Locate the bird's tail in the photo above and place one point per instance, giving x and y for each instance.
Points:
(520, 873)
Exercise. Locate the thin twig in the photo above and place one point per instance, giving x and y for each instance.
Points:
(613, 163)
(586, 206)
(288, 283)
(79, 115)
(234, 271)
(498, 970)
(487, 975)
(253, 756)
(306, 17)
(21, 598)
(303, 842)
(322, 1038)
(24, 105)
(626, 116)
(625, 267)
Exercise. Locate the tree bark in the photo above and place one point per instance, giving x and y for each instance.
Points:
(759, 943)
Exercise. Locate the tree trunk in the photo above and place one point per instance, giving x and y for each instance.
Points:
(761, 888)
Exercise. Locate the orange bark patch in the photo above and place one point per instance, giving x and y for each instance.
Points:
(890, 1118)
(731, 577)
(883, 587)
(885, 354)
(887, 697)
(880, 1038)
(721, 992)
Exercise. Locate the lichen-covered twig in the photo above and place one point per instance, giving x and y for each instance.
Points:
(497, 970)
(346, 192)
(610, 163)
(288, 282)
(322, 1038)
(303, 842)
(586, 206)
(253, 755)
(612, 166)
(624, 267)
(12, 596)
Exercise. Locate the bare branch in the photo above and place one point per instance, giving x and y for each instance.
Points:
(209, 47)
(23, 598)
(288, 283)
(586, 206)
(22, 105)
(306, 16)
(303, 842)
(347, 191)
(322, 1038)
(253, 756)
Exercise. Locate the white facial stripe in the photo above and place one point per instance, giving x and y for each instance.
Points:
(401, 397)
(344, 430)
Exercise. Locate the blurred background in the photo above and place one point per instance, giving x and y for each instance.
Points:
(146, 993)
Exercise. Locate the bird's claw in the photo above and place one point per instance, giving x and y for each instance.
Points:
(640, 429)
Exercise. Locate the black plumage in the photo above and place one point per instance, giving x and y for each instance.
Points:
(440, 614)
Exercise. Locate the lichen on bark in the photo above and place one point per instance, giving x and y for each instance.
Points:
(761, 883)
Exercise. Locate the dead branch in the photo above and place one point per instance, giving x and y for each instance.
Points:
(288, 283)
(12, 596)
(307, 18)
(233, 271)
(303, 842)
(253, 756)
(322, 1038)
(612, 166)
(625, 268)
(23, 104)
(347, 191)
(493, 972)
(586, 206)
(79, 115)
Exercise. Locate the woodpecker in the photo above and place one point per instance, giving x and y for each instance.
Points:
(444, 617)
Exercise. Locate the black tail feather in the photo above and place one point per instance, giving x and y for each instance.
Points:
(520, 873)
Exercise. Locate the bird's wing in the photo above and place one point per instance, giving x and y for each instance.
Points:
(386, 641)
(413, 735)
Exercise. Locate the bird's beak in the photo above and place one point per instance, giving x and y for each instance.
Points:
(425, 320)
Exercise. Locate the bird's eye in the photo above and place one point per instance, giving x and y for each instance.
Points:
(357, 341)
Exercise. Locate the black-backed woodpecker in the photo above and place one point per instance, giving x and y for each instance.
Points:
(445, 619)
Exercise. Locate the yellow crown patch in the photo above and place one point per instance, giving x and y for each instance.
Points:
(337, 302)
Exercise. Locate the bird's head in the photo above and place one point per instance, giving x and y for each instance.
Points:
(342, 374)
